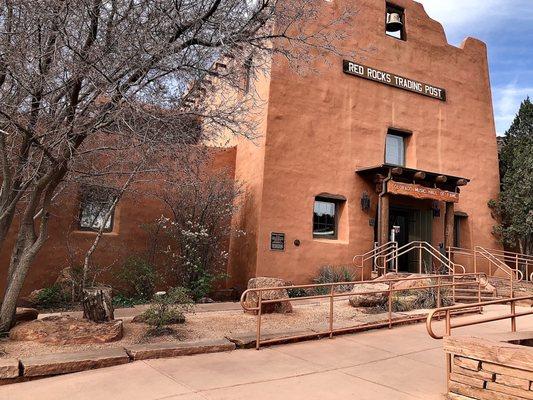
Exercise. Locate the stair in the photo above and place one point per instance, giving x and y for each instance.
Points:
(468, 293)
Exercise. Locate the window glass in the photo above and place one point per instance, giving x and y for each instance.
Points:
(324, 219)
(395, 150)
(96, 204)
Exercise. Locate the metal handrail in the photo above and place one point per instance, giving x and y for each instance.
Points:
(499, 258)
(371, 254)
(331, 295)
(421, 246)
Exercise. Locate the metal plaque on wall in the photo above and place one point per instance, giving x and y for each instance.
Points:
(277, 241)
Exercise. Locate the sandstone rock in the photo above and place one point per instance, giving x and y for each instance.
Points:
(62, 330)
(252, 299)
(411, 284)
(175, 349)
(33, 298)
(9, 368)
(369, 300)
(64, 363)
(25, 314)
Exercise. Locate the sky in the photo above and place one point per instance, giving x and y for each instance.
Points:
(506, 26)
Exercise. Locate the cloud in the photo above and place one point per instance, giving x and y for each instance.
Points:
(507, 102)
(462, 18)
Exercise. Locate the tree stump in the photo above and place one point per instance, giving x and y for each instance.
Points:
(98, 304)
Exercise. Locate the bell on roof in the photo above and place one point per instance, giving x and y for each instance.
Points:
(394, 22)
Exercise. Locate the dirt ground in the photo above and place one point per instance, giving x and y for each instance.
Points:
(213, 325)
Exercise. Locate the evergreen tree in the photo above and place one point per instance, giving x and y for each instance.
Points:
(514, 207)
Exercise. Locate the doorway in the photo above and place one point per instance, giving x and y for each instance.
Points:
(415, 224)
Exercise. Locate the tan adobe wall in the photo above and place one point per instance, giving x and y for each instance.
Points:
(322, 127)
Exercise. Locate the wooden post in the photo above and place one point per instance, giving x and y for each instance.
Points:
(383, 225)
(448, 225)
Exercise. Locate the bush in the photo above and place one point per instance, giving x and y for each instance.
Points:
(121, 301)
(50, 297)
(139, 278)
(331, 274)
(168, 309)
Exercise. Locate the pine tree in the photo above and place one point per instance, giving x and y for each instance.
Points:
(514, 207)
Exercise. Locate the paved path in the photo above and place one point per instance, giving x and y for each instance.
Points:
(402, 363)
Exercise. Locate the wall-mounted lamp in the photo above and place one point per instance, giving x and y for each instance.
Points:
(365, 202)
(436, 209)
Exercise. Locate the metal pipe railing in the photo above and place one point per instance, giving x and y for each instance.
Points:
(447, 311)
(421, 247)
(332, 295)
(372, 254)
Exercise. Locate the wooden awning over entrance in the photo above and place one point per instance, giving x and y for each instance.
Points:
(394, 180)
(415, 183)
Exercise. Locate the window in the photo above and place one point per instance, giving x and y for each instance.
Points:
(96, 204)
(395, 22)
(394, 149)
(325, 217)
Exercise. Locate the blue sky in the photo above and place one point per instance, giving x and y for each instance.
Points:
(507, 28)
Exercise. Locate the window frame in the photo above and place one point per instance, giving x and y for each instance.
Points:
(390, 8)
(336, 203)
(83, 200)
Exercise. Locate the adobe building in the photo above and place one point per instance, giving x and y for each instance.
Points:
(402, 135)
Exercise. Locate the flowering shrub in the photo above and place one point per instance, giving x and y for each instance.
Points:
(199, 230)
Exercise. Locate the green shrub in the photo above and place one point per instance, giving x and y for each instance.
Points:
(139, 278)
(297, 292)
(50, 297)
(122, 301)
(168, 308)
(331, 274)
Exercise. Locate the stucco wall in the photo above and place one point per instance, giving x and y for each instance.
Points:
(322, 128)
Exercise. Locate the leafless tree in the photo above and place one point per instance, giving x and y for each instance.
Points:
(82, 82)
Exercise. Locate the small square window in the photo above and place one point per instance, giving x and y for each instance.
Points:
(395, 22)
(325, 218)
(96, 203)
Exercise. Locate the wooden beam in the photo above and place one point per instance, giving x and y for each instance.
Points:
(462, 182)
(441, 179)
(397, 171)
(420, 175)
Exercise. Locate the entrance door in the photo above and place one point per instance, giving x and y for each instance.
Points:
(400, 217)
(415, 224)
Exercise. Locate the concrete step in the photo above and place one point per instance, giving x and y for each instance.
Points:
(473, 299)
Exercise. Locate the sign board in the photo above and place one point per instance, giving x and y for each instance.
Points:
(421, 192)
(387, 78)
(277, 241)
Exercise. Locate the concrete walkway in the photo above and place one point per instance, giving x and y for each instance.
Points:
(402, 363)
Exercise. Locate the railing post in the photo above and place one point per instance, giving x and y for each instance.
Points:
(479, 293)
(517, 264)
(258, 337)
(396, 257)
(453, 287)
(331, 312)
(420, 258)
(475, 261)
(448, 355)
(438, 296)
(513, 318)
(390, 305)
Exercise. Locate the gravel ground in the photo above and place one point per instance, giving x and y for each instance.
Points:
(211, 325)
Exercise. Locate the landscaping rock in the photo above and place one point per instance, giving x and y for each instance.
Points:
(25, 314)
(411, 284)
(252, 299)
(98, 304)
(369, 300)
(64, 363)
(9, 368)
(175, 349)
(33, 298)
(61, 330)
